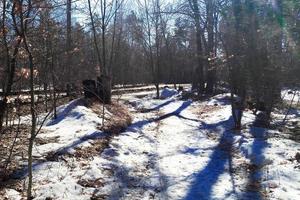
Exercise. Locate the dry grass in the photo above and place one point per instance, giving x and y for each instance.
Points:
(204, 111)
(115, 122)
(17, 160)
(9, 133)
(19, 150)
(40, 107)
(91, 183)
(96, 148)
(118, 118)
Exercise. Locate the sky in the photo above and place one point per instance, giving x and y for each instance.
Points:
(81, 14)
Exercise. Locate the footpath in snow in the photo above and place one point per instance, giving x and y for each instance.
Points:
(174, 149)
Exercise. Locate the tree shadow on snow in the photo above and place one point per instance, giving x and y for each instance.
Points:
(126, 180)
(95, 135)
(149, 184)
(63, 112)
(221, 157)
(60, 152)
(204, 181)
(294, 111)
(135, 127)
(254, 187)
(222, 99)
(220, 161)
(158, 106)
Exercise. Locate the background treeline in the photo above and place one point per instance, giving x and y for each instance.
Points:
(169, 41)
(47, 34)
(248, 47)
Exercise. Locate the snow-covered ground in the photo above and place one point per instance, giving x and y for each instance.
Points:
(291, 96)
(174, 149)
(145, 87)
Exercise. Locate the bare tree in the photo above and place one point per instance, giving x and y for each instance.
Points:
(198, 79)
(9, 73)
(21, 18)
(108, 13)
(68, 45)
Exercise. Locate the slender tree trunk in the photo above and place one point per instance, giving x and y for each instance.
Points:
(33, 122)
(10, 64)
(237, 71)
(68, 47)
(54, 88)
(151, 59)
(198, 79)
(95, 37)
(211, 71)
(22, 31)
(112, 53)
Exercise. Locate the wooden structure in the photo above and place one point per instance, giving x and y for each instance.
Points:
(100, 89)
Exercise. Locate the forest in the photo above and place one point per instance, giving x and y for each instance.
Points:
(149, 99)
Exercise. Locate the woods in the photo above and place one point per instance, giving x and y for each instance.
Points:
(53, 51)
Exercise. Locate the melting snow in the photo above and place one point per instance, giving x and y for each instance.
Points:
(169, 152)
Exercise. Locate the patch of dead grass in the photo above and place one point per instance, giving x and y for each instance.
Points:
(97, 183)
(117, 121)
(18, 151)
(204, 111)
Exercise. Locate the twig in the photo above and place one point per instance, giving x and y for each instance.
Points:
(291, 104)
(12, 147)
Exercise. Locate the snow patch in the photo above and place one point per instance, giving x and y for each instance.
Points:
(168, 153)
(167, 93)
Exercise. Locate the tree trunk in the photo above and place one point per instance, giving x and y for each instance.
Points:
(157, 90)
(211, 72)
(11, 67)
(237, 72)
(95, 38)
(68, 48)
(33, 122)
(3, 105)
(198, 79)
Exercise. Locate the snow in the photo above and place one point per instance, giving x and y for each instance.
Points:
(145, 87)
(290, 95)
(12, 194)
(74, 127)
(169, 152)
(167, 93)
(221, 99)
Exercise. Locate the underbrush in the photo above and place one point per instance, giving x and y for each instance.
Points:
(14, 143)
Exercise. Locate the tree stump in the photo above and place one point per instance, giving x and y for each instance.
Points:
(89, 88)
